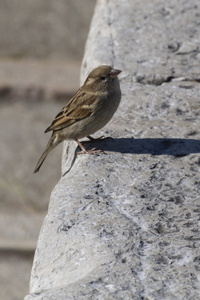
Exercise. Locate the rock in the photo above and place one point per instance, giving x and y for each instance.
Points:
(125, 224)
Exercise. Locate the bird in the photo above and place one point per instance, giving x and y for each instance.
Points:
(90, 109)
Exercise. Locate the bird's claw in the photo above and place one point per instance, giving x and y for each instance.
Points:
(92, 151)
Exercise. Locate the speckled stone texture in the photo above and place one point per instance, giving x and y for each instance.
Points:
(125, 224)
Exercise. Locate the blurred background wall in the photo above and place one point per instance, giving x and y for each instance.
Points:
(44, 29)
(41, 47)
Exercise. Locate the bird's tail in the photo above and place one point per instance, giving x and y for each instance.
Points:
(53, 142)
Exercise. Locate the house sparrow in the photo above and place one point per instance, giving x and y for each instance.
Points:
(89, 110)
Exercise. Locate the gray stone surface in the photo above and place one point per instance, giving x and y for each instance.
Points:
(125, 224)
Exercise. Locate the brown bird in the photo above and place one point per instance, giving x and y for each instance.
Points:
(89, 110)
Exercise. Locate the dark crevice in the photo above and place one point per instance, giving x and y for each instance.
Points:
(159, 81)
(155, 81)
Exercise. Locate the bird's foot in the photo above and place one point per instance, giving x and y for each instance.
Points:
(92, 151)
(84, 151)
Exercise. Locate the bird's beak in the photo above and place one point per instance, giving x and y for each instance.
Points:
(114, 73)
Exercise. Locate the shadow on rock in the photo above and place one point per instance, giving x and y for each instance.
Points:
(153, 146)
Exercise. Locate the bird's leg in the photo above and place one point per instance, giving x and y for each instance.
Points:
(84, 151)
(81, 146)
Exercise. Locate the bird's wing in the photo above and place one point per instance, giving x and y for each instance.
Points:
(78, 108)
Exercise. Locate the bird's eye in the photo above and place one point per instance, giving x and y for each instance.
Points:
(103, 78)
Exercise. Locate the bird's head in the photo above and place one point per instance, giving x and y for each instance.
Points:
(101, 78)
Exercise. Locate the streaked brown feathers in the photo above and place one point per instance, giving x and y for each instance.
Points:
(78, 108)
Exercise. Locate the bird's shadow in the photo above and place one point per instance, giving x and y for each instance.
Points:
(153, 146)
